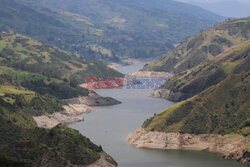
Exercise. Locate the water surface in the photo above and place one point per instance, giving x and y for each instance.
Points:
(110, 125)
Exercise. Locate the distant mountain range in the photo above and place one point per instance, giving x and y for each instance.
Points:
(233, 9)
(106, 30)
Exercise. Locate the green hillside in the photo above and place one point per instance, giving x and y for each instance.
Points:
(221, 100)
(25, 54)
(37, 76)
(90, 29)
(31, 146)
(197, 79)
(34, 79)
(22, 143)
(203, 47)
(220, 109)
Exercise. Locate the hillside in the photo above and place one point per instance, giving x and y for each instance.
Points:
(35, 75)
(203, 47)
(220, 102)
(186, 84)
(220, 109)
(34, 80)
(21, 142)
(25, 54)
(31, 146)
(89, 28)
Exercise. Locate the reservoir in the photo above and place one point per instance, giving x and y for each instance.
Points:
(110, 125)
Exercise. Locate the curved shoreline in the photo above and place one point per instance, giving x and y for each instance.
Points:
(168, 95)
(73, 111)
(152, 74)
(232, 147)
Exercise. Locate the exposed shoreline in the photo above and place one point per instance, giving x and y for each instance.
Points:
(152, 74)
(129, 61)
(232, 147)
(70, 114)
(73, 111)
(105, 161)
(169, 95)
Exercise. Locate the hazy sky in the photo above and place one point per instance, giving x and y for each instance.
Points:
(209, 1)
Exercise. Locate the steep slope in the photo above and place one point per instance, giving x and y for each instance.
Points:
(105, 30)
(34, 79)
(203, 47)
(23, 144)
(215, 119)
(26, 54)
(187, 84)
(37, 76)
(60, 146)
(220, 109)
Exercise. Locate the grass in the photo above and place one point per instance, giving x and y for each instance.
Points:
(161, 117)
(2, 45)
(220, 109)
(190, 53)
(243, 46)
(9, 100)
(5, 89)
(101, 49)
(229, 67)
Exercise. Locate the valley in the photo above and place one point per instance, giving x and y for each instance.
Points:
(109, 127)
(130, 83)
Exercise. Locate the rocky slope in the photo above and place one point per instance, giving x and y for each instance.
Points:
(93, 99)
(104, 161)
(152, 74)
(231, 146)
(203, 47)
(73, 111)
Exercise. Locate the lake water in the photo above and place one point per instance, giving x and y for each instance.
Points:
(110, 125)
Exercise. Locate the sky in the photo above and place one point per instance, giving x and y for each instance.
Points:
(226, 8)
(209, 1)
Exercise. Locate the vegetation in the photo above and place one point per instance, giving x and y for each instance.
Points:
(23, 144)
(34, 79)
(37, 77)
(220, 102)
(133, 29)
(31, 146)
(220, 109)
(203, 47)
(25, 54)
(197, 79)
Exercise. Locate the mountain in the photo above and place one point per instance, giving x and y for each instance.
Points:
(23, 53)
(60, 146)
(109, 30)
(187, 84)
(221, 107)
(203, 47)
(233, 9)
(34, 80)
